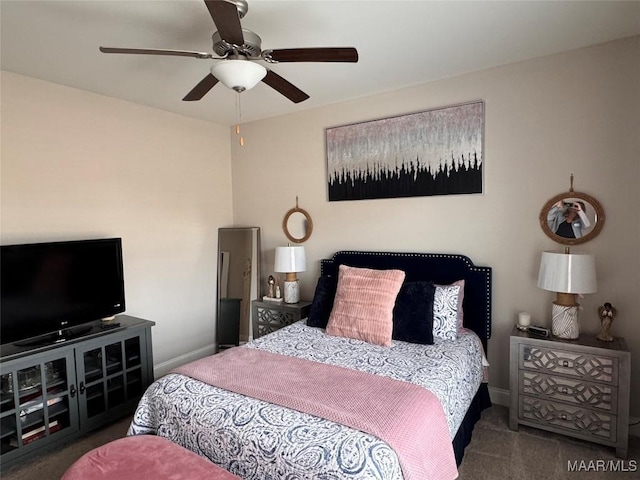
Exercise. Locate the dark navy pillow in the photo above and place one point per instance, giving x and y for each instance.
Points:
(322, 302)
(413, 313)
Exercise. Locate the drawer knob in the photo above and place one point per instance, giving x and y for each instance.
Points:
(563, 416)
(565, 363)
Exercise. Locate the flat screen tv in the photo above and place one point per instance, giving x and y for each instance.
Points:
(56, 287)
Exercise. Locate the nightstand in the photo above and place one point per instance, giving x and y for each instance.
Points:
(578, 388)
(271, 316)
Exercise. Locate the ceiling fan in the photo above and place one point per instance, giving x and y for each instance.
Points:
(238, 49)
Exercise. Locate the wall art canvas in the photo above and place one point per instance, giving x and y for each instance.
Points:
(435, 152)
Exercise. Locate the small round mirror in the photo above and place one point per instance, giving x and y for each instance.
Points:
(572, 218)
(297, 225)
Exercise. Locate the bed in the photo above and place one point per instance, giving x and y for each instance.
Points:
(273, 437)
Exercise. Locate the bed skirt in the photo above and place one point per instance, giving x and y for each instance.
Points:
(463, 437)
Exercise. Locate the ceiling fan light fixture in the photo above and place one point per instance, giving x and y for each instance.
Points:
(239, 75)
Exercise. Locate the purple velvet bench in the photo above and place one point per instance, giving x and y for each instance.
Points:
(144, 457)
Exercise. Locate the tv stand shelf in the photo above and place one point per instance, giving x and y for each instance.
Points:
(51, 393)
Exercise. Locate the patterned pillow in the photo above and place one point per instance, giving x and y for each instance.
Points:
(363, 305)
(460, 300)
(445, 312)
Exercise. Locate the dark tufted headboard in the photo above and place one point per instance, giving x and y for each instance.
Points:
(440, 268)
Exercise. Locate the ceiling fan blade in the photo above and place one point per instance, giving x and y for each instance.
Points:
(286, 88)
(156, 51)
(225, 16)
(201, 89)
(337, 54)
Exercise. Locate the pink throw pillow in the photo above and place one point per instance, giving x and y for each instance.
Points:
(363, 305)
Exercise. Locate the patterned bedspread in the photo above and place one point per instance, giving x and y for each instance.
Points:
(260, 441)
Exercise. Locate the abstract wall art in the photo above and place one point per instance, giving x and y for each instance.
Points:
(435, 152)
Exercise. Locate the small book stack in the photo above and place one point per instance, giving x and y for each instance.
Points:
(37, 433)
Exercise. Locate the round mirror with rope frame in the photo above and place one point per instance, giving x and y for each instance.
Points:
(307, 224)
(572, 218)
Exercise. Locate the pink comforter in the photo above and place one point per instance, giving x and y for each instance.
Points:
(407, 417)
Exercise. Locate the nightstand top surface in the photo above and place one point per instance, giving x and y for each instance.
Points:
(618, 343)
(268, 303)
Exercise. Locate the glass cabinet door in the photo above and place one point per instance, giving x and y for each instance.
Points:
(36, 401)
(93, 382)
(8, 426)
(111, 375)
(134, 367)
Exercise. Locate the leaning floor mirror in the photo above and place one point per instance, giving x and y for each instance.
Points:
(238, 283)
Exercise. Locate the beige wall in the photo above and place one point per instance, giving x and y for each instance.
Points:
(577, 112)
(79, 165)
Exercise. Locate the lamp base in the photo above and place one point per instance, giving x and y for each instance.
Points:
(291, 292)
(564, 321)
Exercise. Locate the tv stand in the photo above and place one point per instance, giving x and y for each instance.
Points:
(54, 389)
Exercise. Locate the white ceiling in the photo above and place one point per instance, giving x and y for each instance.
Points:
(401, 43)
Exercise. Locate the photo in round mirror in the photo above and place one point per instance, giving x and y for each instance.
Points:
(572, 218)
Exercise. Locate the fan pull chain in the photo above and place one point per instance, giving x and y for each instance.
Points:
(239, 117)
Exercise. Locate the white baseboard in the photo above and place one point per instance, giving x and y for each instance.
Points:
(500, 396)
(163, 368)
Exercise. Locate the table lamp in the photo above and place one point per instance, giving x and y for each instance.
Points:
(567, 274)
(290, 260)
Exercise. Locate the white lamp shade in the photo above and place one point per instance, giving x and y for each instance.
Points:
(239, 75)
(290, 259)
(567, 272)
